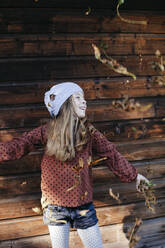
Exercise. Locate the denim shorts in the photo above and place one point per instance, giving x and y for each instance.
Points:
(80, 217)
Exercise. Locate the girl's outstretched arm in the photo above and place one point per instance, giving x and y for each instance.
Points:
(117, 163)
(22, 145)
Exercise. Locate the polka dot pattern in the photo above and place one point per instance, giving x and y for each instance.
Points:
(69, 183)
(116, 162)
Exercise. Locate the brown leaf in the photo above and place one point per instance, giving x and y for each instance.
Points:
(37, 210)
(116, 197)
(96, 52)
(112, 63)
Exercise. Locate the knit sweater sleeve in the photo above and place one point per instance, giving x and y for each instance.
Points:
(22, 145)
(115, 161)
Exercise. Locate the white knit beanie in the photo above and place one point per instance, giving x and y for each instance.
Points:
(61, 92)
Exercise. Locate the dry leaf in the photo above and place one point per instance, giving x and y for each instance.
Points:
(160, 80)
(116, 197)
(144, 108)
(88, 11)
(157, 53)
(37, 210)
(96, 52)
(99, 160)
(112, 63)
(120, 2)
(23, 183)
(148, 192)
(160, 67)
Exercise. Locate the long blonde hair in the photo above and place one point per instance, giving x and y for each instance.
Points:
(65, 133)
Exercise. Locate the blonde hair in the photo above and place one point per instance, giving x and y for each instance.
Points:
(65, 133)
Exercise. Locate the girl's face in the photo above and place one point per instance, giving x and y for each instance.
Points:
(79, 104)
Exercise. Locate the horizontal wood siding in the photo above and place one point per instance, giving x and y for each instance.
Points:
(47, 42)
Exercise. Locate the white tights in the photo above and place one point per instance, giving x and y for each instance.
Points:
(90, 237)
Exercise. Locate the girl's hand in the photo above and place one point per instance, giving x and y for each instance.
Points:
(138, 181)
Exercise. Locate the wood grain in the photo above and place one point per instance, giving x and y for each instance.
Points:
(53, 68)
(101, 88)
(80, 44)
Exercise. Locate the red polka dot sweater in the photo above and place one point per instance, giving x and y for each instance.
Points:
(69, 183)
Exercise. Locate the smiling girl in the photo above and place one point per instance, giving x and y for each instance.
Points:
(66, 168)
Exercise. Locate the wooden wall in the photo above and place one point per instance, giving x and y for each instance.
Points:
(42, 42)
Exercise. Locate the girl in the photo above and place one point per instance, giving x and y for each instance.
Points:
(66, 171)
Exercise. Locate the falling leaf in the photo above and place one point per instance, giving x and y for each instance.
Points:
(148, 192)
(37, 210)
(116, 197)
(159, 66)
(120, 2)
(160, 80)
(130, 105)
(157, 53)
(99, 160)
(81, 163)
(89, 160)
(145, 108)
(112, 63)
(88, 11)
(23, 183)
(96, 51)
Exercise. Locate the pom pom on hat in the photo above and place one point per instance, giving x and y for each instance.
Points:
(58, 94)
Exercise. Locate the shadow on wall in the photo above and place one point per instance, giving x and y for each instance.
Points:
(151, 232)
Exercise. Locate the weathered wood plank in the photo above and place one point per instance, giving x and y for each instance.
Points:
(24, 227)
(106, 112)
(126, 191)
(133, 151)
(33, 226)
(142, 150)
(115, 131)
(27, 164)
(78, 44)
(69, 67)
(115, 238)
(33, 92)
(149, 168)
(109, 235)
(11, 186)
(29, 20)
(138, 150)
(21, 206)
(160, 107)
(16, 185)
(131, 130)
(24, 116)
